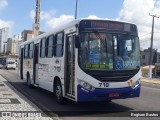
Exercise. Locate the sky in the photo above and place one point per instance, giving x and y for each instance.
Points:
(19, 14)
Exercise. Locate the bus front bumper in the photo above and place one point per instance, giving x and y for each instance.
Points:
(106, 94)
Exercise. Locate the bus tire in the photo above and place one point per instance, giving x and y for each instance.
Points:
(58, 92)
(29, 81)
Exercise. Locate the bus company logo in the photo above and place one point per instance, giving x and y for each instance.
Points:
(6, 114)
(17, 114)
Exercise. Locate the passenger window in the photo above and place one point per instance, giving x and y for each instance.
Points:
(59, 45)
(43, 47)
(50, 44)
(26, 51)
(31, 51)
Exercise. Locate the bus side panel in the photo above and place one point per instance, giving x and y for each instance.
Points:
(49, 68)
(43, 73)
(28, 68)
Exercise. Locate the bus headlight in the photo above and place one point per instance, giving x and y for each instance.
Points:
(136, 84)
(86, 85)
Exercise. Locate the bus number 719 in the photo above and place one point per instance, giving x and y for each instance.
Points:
(103, 84)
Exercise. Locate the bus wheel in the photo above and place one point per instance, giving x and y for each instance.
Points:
(29, 81)
(58, 92)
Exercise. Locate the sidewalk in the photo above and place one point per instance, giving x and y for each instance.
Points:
(150, 80)
(15, 106)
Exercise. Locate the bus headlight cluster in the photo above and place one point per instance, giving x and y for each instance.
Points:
(86, 85)
(136, 84)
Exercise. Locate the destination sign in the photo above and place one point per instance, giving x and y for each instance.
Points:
(108, 25)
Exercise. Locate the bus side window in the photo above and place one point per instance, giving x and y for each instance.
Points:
(59, 45)
(50, 45)
(43, 48)
(31, 51)
(26, 51)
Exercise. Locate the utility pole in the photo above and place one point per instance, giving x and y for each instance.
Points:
(76, 9)
(151, 46)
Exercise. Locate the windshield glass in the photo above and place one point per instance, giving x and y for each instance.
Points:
(107, 51)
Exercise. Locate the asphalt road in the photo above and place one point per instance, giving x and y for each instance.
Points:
(148, 101)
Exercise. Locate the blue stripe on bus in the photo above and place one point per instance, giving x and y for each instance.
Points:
(103, 94)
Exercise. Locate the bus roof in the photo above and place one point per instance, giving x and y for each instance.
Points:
(57, 29)
(67, 25)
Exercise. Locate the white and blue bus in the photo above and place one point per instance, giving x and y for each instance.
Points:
(84, 60)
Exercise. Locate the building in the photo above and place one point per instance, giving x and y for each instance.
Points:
(18, 37)
(9, 46)
(4, 35)
(158, 57)
(145, 56)
(13, 44)
(36, 25)
(28, 34)
(17, 40)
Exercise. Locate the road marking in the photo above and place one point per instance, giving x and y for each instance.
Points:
(1, 84)
(9, 101)
(7, 94)
(3, 89)
(4, 101)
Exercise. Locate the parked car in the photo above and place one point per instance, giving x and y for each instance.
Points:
(11, 65)
(1, 66)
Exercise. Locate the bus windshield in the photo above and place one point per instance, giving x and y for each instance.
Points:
(107, 51)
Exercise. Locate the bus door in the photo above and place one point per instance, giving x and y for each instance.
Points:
(70, 66)
(35, 63)
(21, 63)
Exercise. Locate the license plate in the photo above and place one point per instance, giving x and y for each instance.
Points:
(114, 95)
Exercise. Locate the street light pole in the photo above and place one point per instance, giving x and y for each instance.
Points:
(76, 9)
(151, 46)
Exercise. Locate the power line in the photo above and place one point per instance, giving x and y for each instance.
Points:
(149, 40)
(147, 34)
(146, 41)
(142, 37)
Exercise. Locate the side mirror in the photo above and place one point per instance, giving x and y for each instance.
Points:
(77, 41)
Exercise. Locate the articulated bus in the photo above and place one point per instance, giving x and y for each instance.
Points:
(84, 60)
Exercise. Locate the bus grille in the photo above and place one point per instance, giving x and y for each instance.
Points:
(113, 78)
